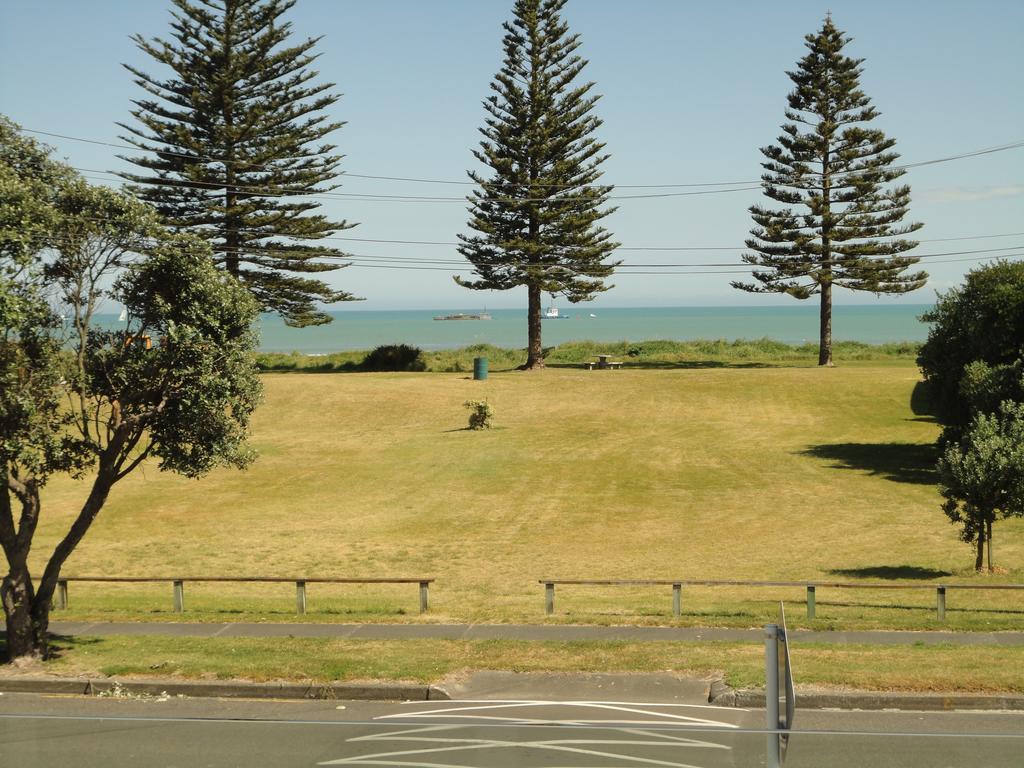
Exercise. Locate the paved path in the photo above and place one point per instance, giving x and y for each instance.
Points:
(552, 632)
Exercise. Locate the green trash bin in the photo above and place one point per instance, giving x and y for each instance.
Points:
(479, 368)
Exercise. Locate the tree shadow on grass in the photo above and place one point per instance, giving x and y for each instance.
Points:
(58, 645)
(891, 572)
(899, 462)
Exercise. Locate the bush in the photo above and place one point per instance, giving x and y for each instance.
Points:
(394, 357)
(980, 322)
(480, 414)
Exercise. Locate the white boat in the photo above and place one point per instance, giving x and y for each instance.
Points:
(552, 314)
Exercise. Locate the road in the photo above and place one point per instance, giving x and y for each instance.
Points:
(87, 732)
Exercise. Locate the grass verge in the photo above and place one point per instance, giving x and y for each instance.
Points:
(982, 669)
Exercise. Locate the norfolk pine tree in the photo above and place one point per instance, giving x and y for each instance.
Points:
(536, 210)
(846, 228)
(233, 145)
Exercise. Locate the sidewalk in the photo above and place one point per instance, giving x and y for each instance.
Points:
(537, 632)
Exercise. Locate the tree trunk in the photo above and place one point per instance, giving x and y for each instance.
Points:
(825, 336)
(534, 350)
(979, 560)
(25, 636)
(988, 542)
(28, 612)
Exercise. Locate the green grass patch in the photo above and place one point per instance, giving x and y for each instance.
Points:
(909, 668)
(639, 354)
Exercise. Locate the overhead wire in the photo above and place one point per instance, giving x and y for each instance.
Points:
(257, 191)
(411, 179)
(452, 265)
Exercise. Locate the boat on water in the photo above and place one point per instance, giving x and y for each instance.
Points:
(464, 316)
(551, 313)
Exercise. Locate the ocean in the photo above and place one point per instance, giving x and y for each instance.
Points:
(365, 329)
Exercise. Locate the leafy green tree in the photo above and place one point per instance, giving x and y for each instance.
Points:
(536, 212)
(177, 383)
(973, 357)
(840, 226)
(234, 142)
(982, 475)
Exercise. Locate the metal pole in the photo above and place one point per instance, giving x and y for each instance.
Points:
(940, 602)
(677, 599)
(549, 598)
(810, 601)
(300, 597)
(771, 693)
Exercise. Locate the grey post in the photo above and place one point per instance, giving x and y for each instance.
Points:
(424, 594)
(179, 596)
(771, 693)
(62, 593)
(940, 602)
(300, 597)
(549, 598)
(677, 599)
(810, 601)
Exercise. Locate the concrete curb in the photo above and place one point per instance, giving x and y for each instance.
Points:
(753, 698)
(222, 689)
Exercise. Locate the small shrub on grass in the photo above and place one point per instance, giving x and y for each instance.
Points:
(480, 414)
(394, 357)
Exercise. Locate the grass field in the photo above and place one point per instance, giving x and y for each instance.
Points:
(705, 471)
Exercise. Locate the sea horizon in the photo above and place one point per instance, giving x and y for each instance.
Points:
(365, 329)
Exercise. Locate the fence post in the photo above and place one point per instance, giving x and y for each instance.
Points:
(771, 693)
(549, 598)
(424, 595)
(677, 599)
(940, 603)
(810, 601)
(179, 596)
(62, 593)
(300, 597)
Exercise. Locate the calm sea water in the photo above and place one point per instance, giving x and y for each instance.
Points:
(360, 329)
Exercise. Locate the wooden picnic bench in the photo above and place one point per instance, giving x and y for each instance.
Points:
(602, 362)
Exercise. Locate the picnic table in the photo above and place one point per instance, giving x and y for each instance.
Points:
(603, 362)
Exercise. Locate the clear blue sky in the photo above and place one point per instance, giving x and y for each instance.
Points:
(690, 92)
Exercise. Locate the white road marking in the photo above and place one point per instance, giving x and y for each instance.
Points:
(468, 710)
(437, 739)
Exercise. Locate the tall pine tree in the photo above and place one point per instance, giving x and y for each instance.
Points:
(234, 144)
(535, 213)
(845, 230)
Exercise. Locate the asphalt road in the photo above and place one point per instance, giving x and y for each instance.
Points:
(38, 731)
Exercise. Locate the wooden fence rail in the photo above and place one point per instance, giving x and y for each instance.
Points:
(810, 586)
(299, 581)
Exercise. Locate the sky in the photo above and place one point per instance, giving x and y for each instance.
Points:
(689, 93)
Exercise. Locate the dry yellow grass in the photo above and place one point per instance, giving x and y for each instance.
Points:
(719, 473)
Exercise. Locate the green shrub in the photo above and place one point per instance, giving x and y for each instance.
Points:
(480, 414)
(394, 357)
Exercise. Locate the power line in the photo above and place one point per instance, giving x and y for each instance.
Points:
(242, 164)
(378, 198)
(643, 248)
(398, 262)
(904, 166)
